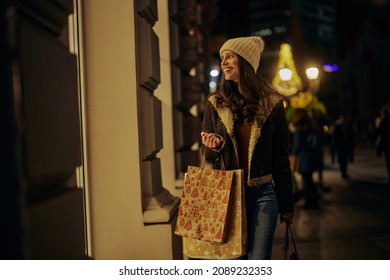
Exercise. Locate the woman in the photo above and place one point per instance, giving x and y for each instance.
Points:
(245, 124)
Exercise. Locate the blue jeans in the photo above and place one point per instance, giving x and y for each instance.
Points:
(262, 216)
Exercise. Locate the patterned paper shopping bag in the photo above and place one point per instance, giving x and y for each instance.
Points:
(236, 243)
(204, 205)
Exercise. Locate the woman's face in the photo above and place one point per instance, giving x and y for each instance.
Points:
(229, 66)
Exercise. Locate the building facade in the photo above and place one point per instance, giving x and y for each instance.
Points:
(89, 160)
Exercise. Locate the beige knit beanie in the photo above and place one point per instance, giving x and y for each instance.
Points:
(249, 48)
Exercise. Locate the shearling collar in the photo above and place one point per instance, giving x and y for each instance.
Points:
(226, 116)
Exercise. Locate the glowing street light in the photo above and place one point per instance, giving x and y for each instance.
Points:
(314, 82)
(214, 73)
(287, 80)
(312, 73)
(285, 74)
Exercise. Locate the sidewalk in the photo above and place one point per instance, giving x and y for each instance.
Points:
(353, 222)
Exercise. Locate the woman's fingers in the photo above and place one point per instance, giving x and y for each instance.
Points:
(210, 140)
(216, 142)
(205, 138)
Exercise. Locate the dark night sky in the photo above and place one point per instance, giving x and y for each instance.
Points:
(233, 18)
(353, 14)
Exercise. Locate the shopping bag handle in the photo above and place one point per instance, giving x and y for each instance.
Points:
(293, 241)
(203, 163)
(286, 245)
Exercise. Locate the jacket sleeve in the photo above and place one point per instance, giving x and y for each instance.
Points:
(281, 172)
(209, 125)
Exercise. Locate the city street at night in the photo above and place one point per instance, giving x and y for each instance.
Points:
(353, 220)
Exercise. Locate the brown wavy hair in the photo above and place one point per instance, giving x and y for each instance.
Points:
(246, 103)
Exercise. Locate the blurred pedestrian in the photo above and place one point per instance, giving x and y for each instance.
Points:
(245, 124)
(344, 139)
(383, 143)
(317, 126)
(332, 144)
(305, 146)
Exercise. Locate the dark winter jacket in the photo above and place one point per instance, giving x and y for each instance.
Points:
(268, 153)
(306, 147)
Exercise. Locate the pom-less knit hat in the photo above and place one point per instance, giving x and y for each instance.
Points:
(249, 48)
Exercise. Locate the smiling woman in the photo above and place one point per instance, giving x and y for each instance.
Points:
(244, 108)
(229, 65)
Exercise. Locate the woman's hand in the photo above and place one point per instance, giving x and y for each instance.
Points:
(286, 217)
(210, 140)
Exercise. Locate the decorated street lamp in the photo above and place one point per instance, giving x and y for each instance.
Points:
(288, 82)
(314, 83)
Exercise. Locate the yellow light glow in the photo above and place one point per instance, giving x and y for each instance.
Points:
(312, 73)
(325, 128)
(286, 62)
(285, 74)
(302, 100)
